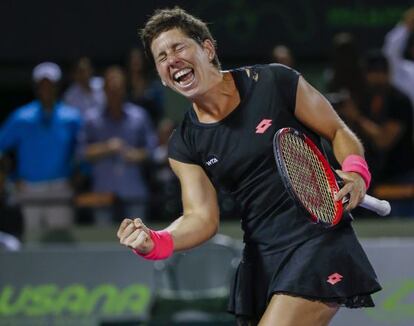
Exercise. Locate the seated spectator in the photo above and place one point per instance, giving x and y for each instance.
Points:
(86, 91)
(384, 123)
(346, 72)
(43, 133)
(142, 90)
(117, 139)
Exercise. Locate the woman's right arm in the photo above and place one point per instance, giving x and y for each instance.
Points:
(200, 219)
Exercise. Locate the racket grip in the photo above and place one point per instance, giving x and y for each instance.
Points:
(381, 207)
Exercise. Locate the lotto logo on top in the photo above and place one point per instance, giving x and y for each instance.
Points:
(263, 126)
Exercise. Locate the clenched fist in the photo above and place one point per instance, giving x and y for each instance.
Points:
(135, 235)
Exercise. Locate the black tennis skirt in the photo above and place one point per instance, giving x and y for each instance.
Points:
(331, 268)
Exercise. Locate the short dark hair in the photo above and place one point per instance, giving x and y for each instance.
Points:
(166, 19)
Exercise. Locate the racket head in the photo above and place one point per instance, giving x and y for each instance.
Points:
(307, 176)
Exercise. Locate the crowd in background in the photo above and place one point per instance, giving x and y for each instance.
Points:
(96, 151)
(91, 153)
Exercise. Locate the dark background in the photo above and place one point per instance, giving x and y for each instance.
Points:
(105, 29)
(246, 31)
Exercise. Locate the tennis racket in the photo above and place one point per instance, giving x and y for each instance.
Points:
(310, 180)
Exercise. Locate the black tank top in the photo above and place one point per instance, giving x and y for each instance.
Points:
(237, 155)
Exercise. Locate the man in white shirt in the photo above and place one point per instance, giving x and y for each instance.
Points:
(401, 69)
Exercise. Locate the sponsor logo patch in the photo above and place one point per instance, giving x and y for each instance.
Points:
(211, 160)
(334, 278)
(263, 126)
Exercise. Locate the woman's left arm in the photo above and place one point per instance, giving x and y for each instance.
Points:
(315, 112)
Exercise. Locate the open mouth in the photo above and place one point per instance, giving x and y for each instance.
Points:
(184, 77)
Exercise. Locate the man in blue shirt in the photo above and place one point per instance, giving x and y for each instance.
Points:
(117, 139)
(42, 133)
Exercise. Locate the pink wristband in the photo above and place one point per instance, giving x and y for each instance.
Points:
(356, 163)
(163, 246)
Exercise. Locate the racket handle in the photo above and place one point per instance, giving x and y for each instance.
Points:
(381, 207)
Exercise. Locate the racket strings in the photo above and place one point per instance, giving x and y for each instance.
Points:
(307, 177)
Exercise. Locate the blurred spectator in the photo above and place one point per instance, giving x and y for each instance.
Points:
(86, 91)
(346, 72)
(166, 198)
(165, 129)
(11, 219)
(117, 139)
(282, 54)
(384, 123)
(143, 91)
(42, 133)
(395, 46)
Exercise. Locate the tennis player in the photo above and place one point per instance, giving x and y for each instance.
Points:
(293, 272)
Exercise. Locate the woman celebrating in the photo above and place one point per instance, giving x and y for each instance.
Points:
(225, 140)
